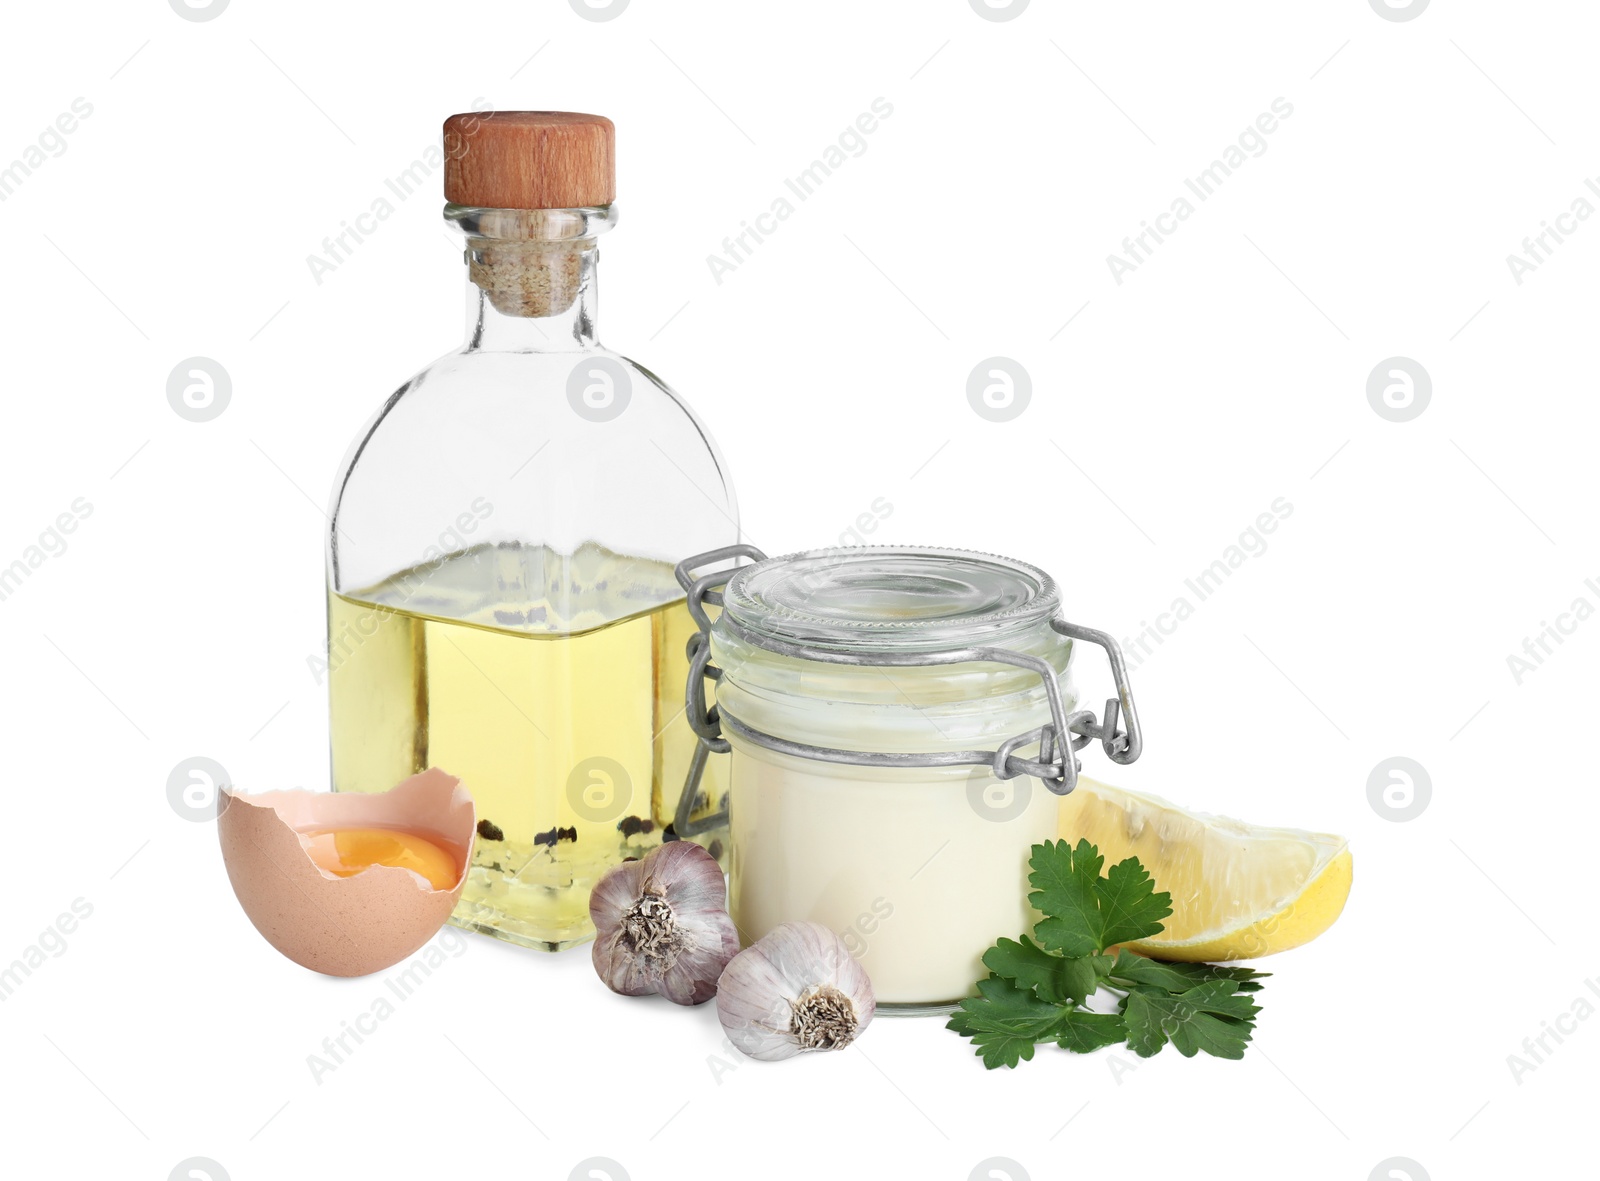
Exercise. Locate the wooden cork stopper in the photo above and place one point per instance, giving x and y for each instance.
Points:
(530, 160)
(528, 278)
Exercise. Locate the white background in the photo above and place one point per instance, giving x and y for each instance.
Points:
(1228, 370)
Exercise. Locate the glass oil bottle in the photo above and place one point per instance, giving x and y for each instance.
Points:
(501, 599)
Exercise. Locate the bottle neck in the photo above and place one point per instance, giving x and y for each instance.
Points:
(531, 277)
(531, 297)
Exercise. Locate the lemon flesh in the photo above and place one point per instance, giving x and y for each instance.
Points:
(1239, 890)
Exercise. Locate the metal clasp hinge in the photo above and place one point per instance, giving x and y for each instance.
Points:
(706, 721)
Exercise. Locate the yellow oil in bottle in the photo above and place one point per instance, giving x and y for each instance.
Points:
(552, 685)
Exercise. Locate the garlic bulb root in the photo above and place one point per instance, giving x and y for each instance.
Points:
(824, 1019)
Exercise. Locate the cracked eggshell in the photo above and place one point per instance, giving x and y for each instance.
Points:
(344, 926)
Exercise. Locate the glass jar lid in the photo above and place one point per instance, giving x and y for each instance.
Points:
(794, 630)
(865, 599)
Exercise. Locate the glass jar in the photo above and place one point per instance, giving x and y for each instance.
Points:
(893, 716)
(501, 600)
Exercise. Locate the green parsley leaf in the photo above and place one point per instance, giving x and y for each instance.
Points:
(1130, 908)
(1064, 882)
(1039, 987)
(1135, 971)
(1052, 977)
(1212, 1017)
(1084, 913)
(961, 1023)
(1005, 1022)
(1025, 962)
(1078, 980)
(1083, 1032)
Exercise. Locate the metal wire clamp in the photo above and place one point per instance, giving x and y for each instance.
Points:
(1055, 765)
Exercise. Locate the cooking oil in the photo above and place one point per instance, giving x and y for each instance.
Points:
(552, 685)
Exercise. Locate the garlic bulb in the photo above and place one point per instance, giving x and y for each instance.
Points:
(662, 925)
(797, 989)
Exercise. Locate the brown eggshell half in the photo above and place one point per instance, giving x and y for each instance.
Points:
(343, 926)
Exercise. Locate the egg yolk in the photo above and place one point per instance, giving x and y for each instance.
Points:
(348, 851)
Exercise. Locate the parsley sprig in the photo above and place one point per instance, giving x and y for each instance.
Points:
(1038, 989)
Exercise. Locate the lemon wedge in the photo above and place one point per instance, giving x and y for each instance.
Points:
(1239, 891)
